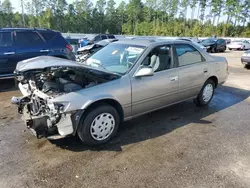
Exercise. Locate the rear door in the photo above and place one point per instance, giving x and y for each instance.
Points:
(29, 44)
(193, 70)
(7, 53)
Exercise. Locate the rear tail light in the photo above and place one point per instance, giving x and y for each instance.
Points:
(69, 47)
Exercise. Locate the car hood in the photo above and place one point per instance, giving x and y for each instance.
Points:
(42, 62)
(88, 47)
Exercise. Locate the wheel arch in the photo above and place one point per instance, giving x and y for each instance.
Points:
(214, 79)
(112, 102)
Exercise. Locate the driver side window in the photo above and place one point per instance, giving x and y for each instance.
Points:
(160, 58)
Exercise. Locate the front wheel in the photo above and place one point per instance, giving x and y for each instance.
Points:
(99, 125)
(206, 94)
(214, 50)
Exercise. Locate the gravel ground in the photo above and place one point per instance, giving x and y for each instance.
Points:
(179, 146)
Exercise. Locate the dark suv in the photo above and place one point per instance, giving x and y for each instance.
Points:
(214, 45)
(17, 44)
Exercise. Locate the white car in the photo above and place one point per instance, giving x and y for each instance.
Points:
(239, 45)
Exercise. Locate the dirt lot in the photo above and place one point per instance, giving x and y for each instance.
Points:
(180, 146)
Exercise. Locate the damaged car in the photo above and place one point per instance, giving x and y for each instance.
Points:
(121, 81)
(85, 52)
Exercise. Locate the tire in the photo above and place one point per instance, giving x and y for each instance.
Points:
(247, 66)
(230, 48)
(94, 131)
(214, 50)
(201, 100)
(224, 49)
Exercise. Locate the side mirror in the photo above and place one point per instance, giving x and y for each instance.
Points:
(145, 71)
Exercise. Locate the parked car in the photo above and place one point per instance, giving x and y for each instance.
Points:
(194, 42)
(214, 45)
(74, 43)
(94, 38)
(228, 41)
(239, 45)
(121, 81)
(245, 58)
(84, 52)
(17, 44)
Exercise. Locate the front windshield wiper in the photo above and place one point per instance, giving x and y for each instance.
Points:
(104, 68)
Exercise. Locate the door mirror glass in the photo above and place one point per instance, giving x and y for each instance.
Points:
(145, 71)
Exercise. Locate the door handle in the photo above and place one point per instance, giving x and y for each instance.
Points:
(205, 70)
(44, 50)
(173, 78)
(9, 53)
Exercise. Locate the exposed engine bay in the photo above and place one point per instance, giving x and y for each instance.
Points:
(39, 86)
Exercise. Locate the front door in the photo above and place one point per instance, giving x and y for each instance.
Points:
(159, 90)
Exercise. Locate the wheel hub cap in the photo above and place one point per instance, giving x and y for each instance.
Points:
(207, 92)
(102, 126)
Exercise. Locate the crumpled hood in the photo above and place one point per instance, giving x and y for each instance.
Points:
(42, 62)
(85, 48)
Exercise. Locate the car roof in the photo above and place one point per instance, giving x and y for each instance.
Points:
(148, 42)
(25, 29)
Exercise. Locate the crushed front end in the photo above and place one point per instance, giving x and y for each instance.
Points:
(43, 117)
(46, 83)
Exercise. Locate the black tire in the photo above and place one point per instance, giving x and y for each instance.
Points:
(199, 101)
(230, 48)
(214, 50)
(224, 49)
(247, 66)
(84, 129)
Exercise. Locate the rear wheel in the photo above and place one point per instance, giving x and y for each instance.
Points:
(230, 48)
(99, 125)
(206, 94)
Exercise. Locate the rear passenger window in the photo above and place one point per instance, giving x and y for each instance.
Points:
(5, 39)
(220, 41)
(104, 37)
(188, 55)
(111, 36)
(27, 39)
(48, 35)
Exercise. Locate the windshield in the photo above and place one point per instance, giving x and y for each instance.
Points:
(115, 57)
(211, 40)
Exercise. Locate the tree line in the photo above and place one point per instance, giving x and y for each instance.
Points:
(198, 18)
